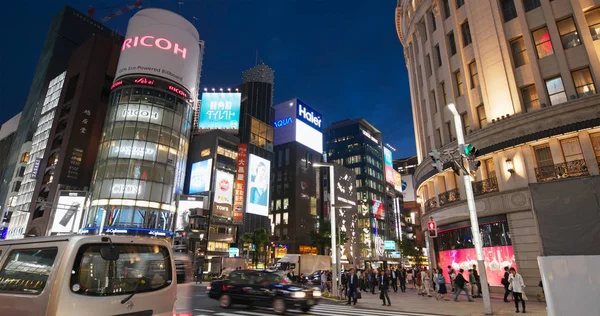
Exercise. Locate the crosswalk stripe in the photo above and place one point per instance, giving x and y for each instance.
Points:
(250, 313)
(204, 310)
(226, 314)
(363, 311)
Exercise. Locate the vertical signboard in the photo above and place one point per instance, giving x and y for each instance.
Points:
(389, 167)
(238, 201)
(200, 176)
(68, 212)
(259, 171)
(397, 181)
(223, 194)
(378, 209)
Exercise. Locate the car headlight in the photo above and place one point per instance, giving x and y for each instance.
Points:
(299, 294)
(317, 293)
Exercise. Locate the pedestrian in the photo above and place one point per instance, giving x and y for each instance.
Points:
(477, 280)
(373, 280)
(352, 287)
(199, 275)
(394, 275)
(473, 282)
(461, 285)
(425, 278)
(517, 285)
(419, 282)
(451, 276)
(506, 283)
(323, 281)
(402, 277)
(434, 279)
(442, 291)
(384, 281)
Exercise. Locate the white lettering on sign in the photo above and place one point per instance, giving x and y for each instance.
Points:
(309, 115)
(122, 188)
(151, 41)
(135, 151)
(139, 113)
(369, 136)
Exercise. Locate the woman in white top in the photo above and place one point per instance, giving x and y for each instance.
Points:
(517, 284)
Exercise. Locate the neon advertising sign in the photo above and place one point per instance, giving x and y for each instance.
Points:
(116, 84)
(144, 81)
(178, 91)
(283, 122)
(151, 41)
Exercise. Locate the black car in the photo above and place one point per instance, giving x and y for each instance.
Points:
(263, 288)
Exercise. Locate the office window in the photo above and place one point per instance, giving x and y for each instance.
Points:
(474, 74)
(438, 55)
(465, 123)
(459, 83)
(433, 25)
(445, 97)
(530, 98)
(481, 116)
(595, 138)
(287, 156)
(449, 130)
(531, 4)
(428, 65)
(438, 138)
(451, 43)
(446, 5)
(519, 53)
(490, 169)
(459, 3)
(16, 186)
(422, 26)
(543, 156)
(556, 90)
(571, 149)
(543, 44)
(568, 33)
(509, 11)
(466, 33)
(433, 102)
(593, 21)
(584, 84)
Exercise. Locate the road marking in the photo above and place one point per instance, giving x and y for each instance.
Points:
(249, 313)
(334, 309)
(226, 314)
(204, 310)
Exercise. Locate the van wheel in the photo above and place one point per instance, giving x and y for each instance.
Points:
(305, 309)
(279, 306)
(225, 301)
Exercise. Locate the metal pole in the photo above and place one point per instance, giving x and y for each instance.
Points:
(487, 306)
(334, 250)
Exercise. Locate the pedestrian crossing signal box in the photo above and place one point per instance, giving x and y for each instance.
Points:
(432, 228)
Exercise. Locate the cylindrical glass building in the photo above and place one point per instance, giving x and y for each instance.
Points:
(142, 158)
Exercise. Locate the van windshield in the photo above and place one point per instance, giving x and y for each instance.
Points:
(140, 268)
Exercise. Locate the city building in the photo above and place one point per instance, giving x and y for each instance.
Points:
(356, 144)
(68, 30)
(8, 131)
(15, 221)
(140, 169)
(411, 228)
(522, 75)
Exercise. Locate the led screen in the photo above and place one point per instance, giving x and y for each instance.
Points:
(389, 167)
(186, 206)
(378, 209)
(309, 136)
(496, 258)
(220, 110)
(200, 176)
(258, 186)
(67, 216)
(397, 181)
(222, 204)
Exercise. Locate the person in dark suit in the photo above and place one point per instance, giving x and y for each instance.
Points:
(352, 287)
(384, 283)
(402, 277)
(394, 277)
(506, 283)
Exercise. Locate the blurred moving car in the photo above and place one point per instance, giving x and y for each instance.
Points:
(263, 288)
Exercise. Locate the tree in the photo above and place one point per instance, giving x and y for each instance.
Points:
(410, 249)
(261, 240)
(322, 239)
(247, 239)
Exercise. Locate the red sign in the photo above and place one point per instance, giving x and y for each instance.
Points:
(145, 81)
(178, 91)
(240, 174)
(151, 41)
(116, 84)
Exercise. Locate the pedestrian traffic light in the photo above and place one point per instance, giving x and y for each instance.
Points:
(436, 162)
(431, 227)
(470, 150)
(474, 165)
(471, 154)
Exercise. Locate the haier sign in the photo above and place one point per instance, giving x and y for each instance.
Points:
(306, 114)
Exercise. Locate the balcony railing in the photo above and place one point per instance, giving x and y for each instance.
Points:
(449, 196)
(485, 186)
(574, 168)
(430, 204)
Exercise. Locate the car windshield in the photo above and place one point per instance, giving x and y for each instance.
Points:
(277, 278)
(140, 268)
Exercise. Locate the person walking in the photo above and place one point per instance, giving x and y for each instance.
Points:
(460, 285)
(451, 276)
(394, 278)
(473, 282)
(426, 282)
(418, 281)
(434, 279)
(384, 282)
(517, 284)
(352, 287)
(323, 280)
(441, 281)
(477, 280)
(505, 282)
(373, 280)
(199, 275)
(402, 277)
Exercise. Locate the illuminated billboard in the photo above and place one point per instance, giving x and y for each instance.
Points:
(240, 182)
(378, 209)
(397, 181)
(188, 205)
(200, 176)
(220, 110)
(496, 258)
(257, 199)
(389, 166)
(223, 194)
(68, 212)
(296, 121)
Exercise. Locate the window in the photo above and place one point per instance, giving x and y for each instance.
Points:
(446, 5)
(445, 98)
(428, 65)
(465, 122)
(556, 91)
(438, 138)
(459, 83)
(466, 33)
(571, 149)
(27, 271)
(261, 134)
(531, 4)
(530, 98)
(287, 156)
(595, 138)
(433, 102)
(543, 44)
(583, 82)
(518, 52)
(286, 205)
(509, 11)
(449, 129)
(71, 88)
(24, 158)
(433, 25)
(438, 55)
(593, 20)
(543, 156)
(568, 33)
(16, 186)
(481, 116)
(451, 43)
(459, 3)
(473, 73)
(489, 168)
(20, 172)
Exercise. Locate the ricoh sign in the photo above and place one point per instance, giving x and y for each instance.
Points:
(161, 43)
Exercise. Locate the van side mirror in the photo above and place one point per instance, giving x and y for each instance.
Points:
(109, 252)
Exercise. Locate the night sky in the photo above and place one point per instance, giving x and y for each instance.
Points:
(342, 57)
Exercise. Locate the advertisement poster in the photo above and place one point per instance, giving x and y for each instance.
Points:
(67, 216)
(240, 180)
(258, 186)
(188, 205)
(398, 181)
(389, 167)
(378, 209)
(496, 258)
(200, 176)
(220, 110)
(223, 197)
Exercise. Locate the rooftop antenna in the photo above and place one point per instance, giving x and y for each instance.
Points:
(180, 3)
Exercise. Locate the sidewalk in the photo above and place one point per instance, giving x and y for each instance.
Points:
(411, 302)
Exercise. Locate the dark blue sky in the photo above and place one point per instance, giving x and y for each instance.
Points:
(342, 57)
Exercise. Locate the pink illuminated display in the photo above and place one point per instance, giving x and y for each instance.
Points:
(151, 41)
(496, 258)
(144, 80)
(116, 84)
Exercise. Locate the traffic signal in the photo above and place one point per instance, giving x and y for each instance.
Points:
(456, 167)
(474, 165)
(470, 150)
(471, 154)
(432, 229)
(437, 163)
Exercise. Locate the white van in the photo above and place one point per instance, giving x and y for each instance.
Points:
(87, 275)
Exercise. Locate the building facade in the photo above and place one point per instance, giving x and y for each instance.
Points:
(522, 74)
(14, 221)
(7, 135)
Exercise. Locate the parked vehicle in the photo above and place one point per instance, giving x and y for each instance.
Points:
(305, 264)
(263, 288)
(224, 265)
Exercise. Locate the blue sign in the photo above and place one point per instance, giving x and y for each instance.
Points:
(200, 176)
(309, 116)
(3, 232)
(389, 245)
(283, 122)
(404, 184)
(220, 110)
(129, 231)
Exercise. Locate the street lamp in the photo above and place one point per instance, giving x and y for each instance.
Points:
(334, 248)
(460, 139)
